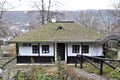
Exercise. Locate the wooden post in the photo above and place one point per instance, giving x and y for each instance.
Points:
(101, 67)
(81, 57)
(81, 61)
(17, 52)
(39, 49)
(76, 60)
(17, 49)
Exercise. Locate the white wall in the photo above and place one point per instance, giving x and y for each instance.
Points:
(95, 49)
(27, 51)
(70, 49)
(51, 49)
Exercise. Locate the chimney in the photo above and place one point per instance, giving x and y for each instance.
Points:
(53, 20)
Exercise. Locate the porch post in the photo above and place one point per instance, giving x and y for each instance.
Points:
(81, 49)
(66, 51)
(55, 50)
(39, 49)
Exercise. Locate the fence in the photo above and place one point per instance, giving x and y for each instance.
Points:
(81, 58)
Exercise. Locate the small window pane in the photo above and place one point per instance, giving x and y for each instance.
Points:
(85, 49)
(45, 48)
(75, 48)
(35, 48)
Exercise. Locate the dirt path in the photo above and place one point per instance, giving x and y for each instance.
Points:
(87, 76)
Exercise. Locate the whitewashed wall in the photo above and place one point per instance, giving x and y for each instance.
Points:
(70, 49)
(94, 49)
(27, 51)
(51, 49)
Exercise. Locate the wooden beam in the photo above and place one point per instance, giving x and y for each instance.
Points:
(17, 49)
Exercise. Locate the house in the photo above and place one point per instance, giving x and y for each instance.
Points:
(65, 39)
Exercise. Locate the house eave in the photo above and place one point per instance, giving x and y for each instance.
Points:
(55, 42)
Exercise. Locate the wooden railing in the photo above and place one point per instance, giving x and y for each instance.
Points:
(81, 58)
(4, 65)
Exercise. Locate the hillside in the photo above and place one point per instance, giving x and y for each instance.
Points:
(23, 20)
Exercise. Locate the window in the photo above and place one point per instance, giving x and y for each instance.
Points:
(35, 48)
(85, 49)
(26, 44)
(45, 48)
(75, 48)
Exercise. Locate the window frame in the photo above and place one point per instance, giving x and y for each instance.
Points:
(75, 48)
(85, 49)
(35, 49)
(45, 48)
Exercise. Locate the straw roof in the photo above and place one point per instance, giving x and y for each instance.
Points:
(59, 32)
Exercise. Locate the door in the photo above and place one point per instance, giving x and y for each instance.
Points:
(61, 50)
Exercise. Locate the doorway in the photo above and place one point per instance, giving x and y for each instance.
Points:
(61, 51)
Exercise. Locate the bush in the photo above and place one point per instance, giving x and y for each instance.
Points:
(111, 54)
(18, 76)
(37, 73)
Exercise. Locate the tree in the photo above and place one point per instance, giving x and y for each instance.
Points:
(89, 19)
(3, 25)
(45, 11)
(116, 14)
(108, 22)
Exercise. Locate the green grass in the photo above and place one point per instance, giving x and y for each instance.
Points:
(111, 54)
(108, 72)
(0, 78)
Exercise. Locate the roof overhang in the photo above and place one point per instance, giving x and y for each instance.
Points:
(55, 42)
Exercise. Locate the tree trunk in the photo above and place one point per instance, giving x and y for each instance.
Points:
(43, 13)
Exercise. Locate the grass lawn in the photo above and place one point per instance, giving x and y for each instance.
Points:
(108, 72)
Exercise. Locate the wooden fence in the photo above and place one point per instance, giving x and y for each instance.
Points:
(81, 58)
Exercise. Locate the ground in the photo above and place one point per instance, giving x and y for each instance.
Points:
(12, 68)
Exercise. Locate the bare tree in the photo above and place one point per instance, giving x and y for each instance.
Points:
(108, 22)
(45, 10)
(116, 12)
(88, 19)
(3, 26)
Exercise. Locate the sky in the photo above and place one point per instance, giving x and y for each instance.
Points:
(63, 4)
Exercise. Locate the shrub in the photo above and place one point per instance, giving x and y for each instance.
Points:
(18, 76)
(111, 54)
(61, 69)
(37, 73)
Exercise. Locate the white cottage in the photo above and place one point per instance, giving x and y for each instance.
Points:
(64, 39)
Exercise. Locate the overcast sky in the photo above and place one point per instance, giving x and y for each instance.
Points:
(65, 4)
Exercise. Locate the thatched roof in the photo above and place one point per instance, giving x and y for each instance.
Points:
(59, 32)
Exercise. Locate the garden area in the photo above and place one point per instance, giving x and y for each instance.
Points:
(58, 71)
